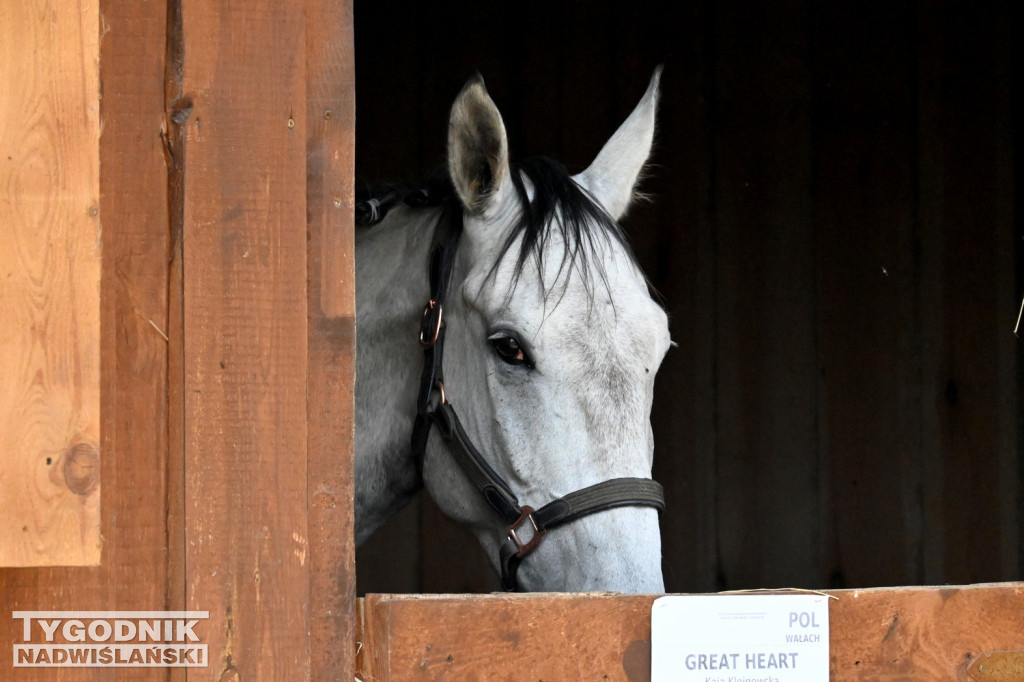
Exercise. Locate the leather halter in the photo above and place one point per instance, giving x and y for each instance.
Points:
(616, 492)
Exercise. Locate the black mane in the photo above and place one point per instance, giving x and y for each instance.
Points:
(558, 204)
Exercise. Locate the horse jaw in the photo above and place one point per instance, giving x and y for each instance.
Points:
(615, 172)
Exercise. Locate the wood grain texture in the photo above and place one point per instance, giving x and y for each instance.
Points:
(245, 322)
(922, 633)
(507, 637)
(49, 284)
(195, 373)
(134, 573)
(876, 634)
(331, 89)
(331, 331)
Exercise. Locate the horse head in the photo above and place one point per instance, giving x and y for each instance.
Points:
(552, 345)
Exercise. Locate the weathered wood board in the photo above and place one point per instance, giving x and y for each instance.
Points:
(917, 633)
(330, 389)
(49, 284)
(227, 355)
(266, 123)
(244, 333)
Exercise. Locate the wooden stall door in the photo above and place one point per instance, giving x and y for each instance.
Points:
(973, 633)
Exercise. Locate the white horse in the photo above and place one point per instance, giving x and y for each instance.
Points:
(551, 342)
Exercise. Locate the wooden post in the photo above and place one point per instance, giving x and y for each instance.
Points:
(330, 159)
(267, 502)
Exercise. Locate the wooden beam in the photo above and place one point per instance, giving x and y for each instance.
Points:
(243, 111)
(330, 163)
(50, 292)
(876, 634)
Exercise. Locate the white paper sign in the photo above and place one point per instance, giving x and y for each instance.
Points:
(740, 638)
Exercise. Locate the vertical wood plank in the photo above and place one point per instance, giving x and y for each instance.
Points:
(173, 132)
(331, 89)
(971, 457)
(144, 551)
(245, 320)
(49, 284)
(767, 443)
(867, 277)
(330, 159)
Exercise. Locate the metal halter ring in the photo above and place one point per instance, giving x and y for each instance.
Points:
(431, 323)
(538, 534)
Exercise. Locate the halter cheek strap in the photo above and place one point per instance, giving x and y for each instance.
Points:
(610, 494)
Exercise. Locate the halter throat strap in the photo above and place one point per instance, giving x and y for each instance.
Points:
(434, 409)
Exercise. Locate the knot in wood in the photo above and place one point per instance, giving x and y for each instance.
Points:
(82, 469)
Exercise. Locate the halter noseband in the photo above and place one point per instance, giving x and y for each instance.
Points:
(616, 492)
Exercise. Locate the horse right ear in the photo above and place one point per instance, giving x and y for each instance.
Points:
(477, 148)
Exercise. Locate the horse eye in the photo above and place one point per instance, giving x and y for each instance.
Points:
(508, 349)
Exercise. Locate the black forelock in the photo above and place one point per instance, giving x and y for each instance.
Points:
(552, 205)
(558, 206)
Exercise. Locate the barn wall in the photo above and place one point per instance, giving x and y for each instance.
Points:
(226, 333)
(139, 566)
(832, 231)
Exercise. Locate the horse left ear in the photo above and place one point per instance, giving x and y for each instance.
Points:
(477, 148)
(614, 173)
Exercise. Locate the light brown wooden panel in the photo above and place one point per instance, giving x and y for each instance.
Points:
(244, 333)
(49, 284)
(504, 637)
(877, 634)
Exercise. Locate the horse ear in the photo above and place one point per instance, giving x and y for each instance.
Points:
(477, 147)
(614, 173)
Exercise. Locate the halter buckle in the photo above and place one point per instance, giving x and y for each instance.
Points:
(431, 323)
(527, 547)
